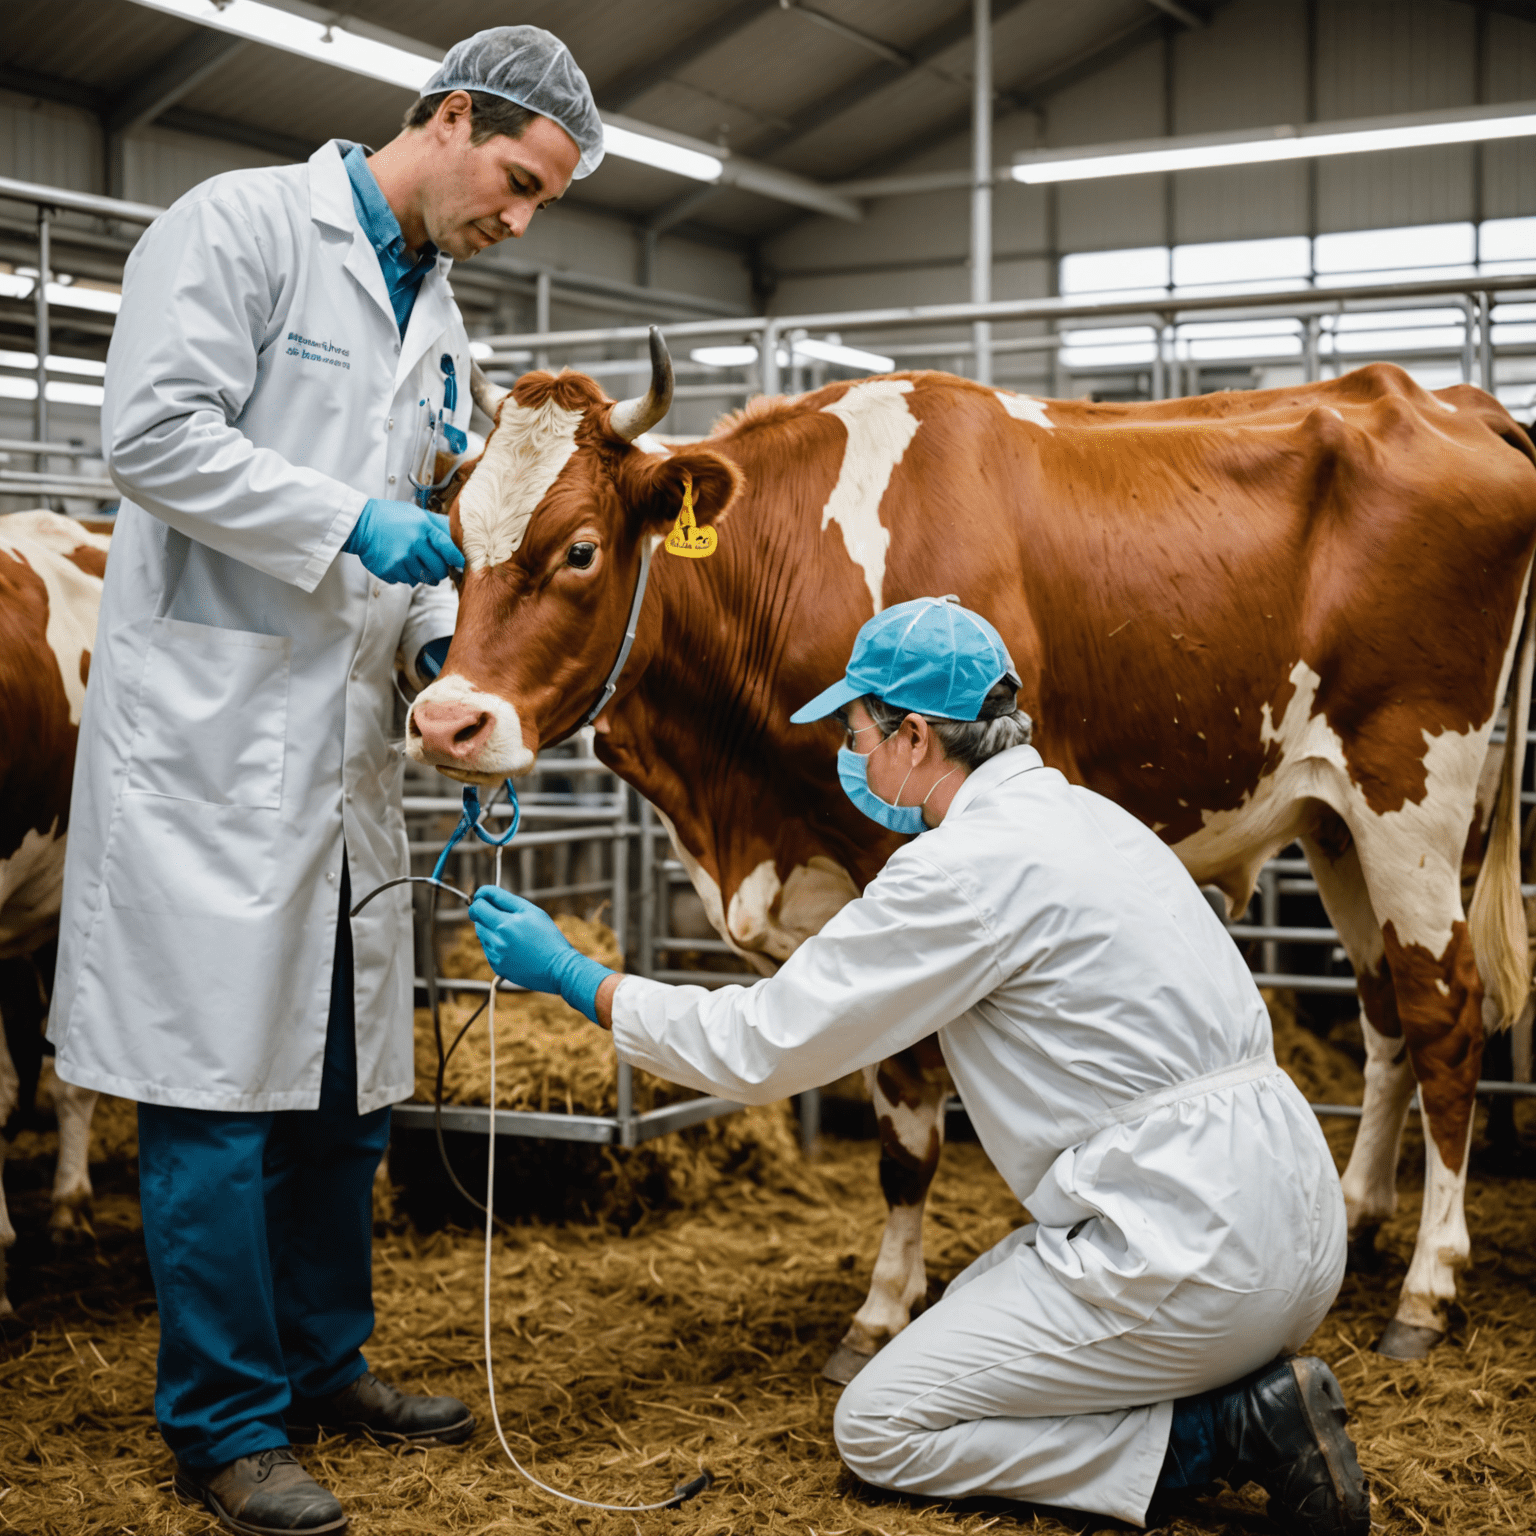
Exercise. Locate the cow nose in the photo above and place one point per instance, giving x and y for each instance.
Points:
(450, 728)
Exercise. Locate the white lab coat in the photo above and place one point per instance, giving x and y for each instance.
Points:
(236, 729)
(1116, 1061)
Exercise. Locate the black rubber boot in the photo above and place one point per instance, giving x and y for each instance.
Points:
(372, 1407)
(268, 1494)
(1283, 1428)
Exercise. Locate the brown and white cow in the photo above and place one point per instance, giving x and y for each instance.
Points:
(1249, 618)
(50, 593)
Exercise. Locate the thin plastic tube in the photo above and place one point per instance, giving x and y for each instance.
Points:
(685, 1491)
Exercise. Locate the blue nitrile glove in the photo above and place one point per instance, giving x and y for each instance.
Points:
(401, 542)
(430, 658)
(526, 948)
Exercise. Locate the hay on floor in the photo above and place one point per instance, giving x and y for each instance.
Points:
(625, 1363)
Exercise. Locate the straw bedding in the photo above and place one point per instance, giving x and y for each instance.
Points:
(626, 1362)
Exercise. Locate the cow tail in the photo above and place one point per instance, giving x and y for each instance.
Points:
(1496, 919)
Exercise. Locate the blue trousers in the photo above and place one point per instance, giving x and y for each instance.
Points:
(260, 1236)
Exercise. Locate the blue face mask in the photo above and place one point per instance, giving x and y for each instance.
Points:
(853, 775)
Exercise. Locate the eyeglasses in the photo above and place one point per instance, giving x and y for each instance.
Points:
(851, 736)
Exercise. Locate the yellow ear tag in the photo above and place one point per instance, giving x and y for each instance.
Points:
(687, 538)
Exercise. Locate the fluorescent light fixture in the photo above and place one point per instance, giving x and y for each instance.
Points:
(661, 153)
(326, 43)
(725, 357)
(844, 357)
(329, 42)
(1470, 125)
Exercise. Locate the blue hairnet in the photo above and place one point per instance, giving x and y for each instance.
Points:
(533, 68)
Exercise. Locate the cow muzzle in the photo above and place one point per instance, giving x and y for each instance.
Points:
(468, 735)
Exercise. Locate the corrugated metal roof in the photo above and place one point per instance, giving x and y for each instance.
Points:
(800, 90)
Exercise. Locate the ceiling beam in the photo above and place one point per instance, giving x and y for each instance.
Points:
(1181, 13)
(621, 94)
(1516, 10)
(169, 79)
(859, 89)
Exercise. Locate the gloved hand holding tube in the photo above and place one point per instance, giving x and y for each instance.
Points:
(400, 542)
(525, 947)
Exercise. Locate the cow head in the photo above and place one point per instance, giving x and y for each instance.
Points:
(551, 522)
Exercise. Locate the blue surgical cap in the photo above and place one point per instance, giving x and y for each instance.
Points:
(533, 68)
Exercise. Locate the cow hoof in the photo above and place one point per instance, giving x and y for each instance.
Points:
(70, 1225)
(843, 1364)
(1403, 1341)
(1364, 1258)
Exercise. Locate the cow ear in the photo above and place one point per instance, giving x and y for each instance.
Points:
(652, 486)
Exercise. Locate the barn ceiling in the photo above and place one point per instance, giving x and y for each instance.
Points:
(826, 89)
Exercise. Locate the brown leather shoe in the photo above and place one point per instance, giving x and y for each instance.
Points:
(372, 1407)
(268, 1494)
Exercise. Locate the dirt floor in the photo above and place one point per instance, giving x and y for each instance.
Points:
(688, 1333)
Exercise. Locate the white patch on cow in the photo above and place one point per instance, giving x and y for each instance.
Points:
(1443, 1245)
(44, 542)
(31, 887)
(523, 458)
(880, 426)
(1025, 408)
(73, 1107)
(1370, 1180)
(777, 919)
(502, 754)
(708, 889)
(1412, 855)
(1445, 405)
(648, 444)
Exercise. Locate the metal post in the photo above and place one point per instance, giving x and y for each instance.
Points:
(44, 277)
(1311, 360)
(1485, 341)
(1269, 915)
(981, 189)
(810, 1120)
(646, 958)
(1468, 338)
(1157, 364)
(626, 1108)
(621, 874)
(768, 358)
(541, 315)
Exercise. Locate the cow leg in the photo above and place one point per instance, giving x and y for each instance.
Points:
(1416, 892)
(908, 1092)
(72, 1177)
(1370, 1180)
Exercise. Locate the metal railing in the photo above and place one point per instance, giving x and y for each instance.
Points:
(773, 337)
(599, 823)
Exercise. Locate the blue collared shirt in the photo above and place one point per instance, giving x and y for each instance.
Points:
(403, 272)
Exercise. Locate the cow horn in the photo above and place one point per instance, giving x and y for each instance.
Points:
(632, 417)
(488, 396)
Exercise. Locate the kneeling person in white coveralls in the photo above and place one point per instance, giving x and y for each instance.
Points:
(1117, 1063)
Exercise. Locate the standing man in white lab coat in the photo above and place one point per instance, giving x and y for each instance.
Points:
(287, 366)
(1117, 1063)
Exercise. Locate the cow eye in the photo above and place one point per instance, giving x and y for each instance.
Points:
(581, 555)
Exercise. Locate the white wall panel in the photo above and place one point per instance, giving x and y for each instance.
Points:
(1217, 85)
(159, 166)
(54, 145)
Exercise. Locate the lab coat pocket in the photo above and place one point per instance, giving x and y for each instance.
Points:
(212, 716)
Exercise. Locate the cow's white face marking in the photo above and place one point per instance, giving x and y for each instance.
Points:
(502, 754)
(880, 426)
(1414, 854)
(523, 458)
(31, 888)
(776, 918)
(1025, 408)
(43, 541)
